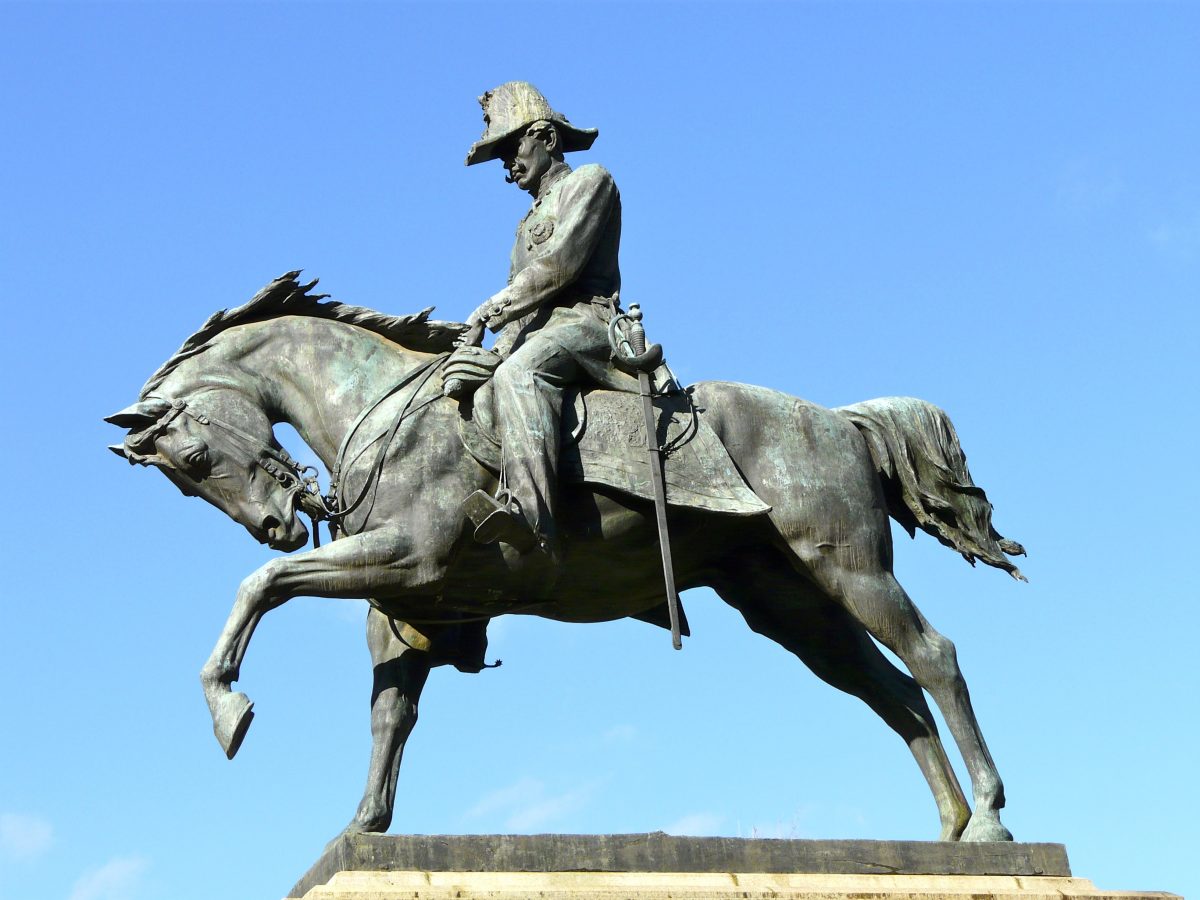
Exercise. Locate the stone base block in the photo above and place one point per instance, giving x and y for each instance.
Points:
(704, 886)
(661, 867)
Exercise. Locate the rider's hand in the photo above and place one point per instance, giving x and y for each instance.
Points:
(473, 337)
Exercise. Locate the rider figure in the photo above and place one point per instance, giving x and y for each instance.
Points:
(553, 316)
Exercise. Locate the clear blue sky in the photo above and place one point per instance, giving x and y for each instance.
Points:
(993, 207)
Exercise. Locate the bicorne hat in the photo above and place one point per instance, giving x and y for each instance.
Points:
(514, 106)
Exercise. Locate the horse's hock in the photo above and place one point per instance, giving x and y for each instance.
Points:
(661, 867)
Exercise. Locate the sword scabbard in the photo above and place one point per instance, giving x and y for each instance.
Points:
(631, 354)
(658, 486)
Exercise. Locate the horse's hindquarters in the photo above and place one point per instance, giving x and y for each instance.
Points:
(810, 464)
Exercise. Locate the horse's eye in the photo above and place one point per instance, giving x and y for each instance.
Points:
(196, 461)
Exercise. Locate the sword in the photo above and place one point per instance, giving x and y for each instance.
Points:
(631, 353)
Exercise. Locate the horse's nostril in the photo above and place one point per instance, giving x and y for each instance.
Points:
(270, 523)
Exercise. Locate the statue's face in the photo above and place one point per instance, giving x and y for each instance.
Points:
(526, 161)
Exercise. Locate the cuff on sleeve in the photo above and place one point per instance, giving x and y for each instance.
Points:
(493, 312)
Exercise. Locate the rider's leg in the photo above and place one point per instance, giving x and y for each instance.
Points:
(528, 389)
(528, 394)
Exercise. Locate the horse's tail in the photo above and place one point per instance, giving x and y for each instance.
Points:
(926, 480)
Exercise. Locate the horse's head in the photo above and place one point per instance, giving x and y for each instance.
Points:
(219, 446)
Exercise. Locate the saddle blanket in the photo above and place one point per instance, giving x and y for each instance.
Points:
(604, 443)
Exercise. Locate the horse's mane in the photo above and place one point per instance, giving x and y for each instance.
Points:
(285, 296)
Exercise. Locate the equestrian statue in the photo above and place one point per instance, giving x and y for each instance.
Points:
(554, 474)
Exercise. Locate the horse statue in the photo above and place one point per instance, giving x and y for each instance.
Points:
(812, 571)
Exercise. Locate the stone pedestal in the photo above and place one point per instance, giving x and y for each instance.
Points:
(660, 867)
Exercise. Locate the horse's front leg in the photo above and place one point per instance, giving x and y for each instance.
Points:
(232, 712)
(401, 666)
(358, 566)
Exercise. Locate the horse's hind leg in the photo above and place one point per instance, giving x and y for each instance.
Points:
(400, 672)
(777, 604)
(874, 597)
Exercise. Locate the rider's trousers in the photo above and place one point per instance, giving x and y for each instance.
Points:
(560, 347)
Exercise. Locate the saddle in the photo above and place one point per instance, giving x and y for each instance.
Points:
(604, 443)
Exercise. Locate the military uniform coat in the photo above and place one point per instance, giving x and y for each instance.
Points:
(554, 315)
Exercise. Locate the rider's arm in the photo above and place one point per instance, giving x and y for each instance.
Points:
(584, 205)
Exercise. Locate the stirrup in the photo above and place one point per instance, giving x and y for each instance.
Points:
(494, 521)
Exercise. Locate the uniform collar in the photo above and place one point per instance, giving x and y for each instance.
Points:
(550, 180)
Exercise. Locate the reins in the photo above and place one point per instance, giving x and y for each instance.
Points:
(336, 515)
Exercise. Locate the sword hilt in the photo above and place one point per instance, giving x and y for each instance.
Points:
(629, 350)
(637, 331)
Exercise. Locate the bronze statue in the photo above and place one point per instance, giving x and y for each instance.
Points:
(781, 506)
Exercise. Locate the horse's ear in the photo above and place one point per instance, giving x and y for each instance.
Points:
(120, 450)
(141, 414)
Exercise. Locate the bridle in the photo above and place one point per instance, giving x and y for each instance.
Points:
(294, 476)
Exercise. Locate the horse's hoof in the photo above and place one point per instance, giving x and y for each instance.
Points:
(370, 821)
(333, 842)
(234, 715)
(357, 827)
(986, 827)
(952, 832)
